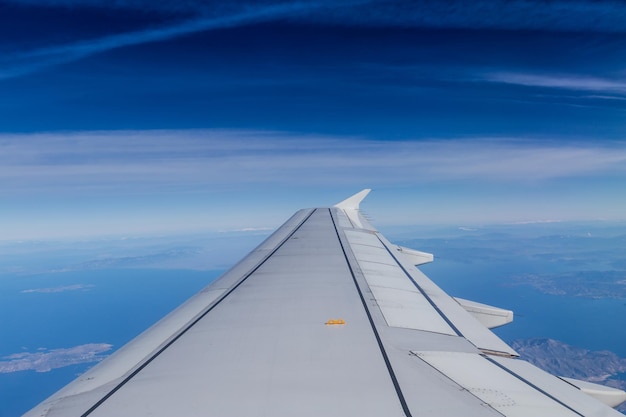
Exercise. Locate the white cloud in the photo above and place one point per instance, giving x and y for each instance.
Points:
(45, 360)
(248, 230)
(561, 81)
(537, 221)
(88, 183)
(183, 161)
(64, 288)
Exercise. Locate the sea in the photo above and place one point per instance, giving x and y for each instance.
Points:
(111, 307)
(589, 323)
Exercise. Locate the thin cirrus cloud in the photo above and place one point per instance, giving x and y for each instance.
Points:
(511, 15)
(171, 160)
(16, 65)
(563, 82)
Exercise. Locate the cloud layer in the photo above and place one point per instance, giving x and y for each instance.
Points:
(143, 161)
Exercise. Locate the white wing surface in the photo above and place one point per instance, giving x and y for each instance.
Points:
(325, 318)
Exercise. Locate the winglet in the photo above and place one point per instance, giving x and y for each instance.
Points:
(354, 201)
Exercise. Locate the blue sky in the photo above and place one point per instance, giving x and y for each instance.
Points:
(149, 117)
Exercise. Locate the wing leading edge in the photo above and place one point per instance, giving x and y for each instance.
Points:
(325, 317)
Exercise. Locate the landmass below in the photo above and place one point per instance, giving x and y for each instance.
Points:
(588, 284)
(558, 358)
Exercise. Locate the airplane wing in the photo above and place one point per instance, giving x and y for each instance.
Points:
(325, 318)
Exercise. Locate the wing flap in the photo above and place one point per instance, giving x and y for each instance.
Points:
(408, 299)
(556, 387)
(400, 302)
(610, 396)
(513, 387)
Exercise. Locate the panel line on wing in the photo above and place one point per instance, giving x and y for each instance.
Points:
(421, 290)
(497, 386)
(392, 374)
(401, 302)
(464, 324)
(194, 322)
(527, 382)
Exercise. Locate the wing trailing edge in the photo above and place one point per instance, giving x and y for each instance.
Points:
(610, 396)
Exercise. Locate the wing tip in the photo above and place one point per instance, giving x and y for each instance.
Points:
(353, 201)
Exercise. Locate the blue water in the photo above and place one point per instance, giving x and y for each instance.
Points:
(120, 305)
(595, 324)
